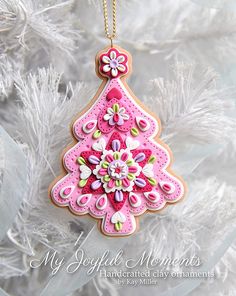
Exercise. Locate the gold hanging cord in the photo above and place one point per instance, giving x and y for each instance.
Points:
(112, 35)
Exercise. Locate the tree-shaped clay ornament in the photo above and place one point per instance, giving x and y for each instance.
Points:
(118, 167)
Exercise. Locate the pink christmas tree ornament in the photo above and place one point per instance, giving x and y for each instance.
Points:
(118, 167)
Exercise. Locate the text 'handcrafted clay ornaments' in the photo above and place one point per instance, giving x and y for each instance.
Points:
(118, 168)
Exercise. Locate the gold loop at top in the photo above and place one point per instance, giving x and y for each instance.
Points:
(109, 35)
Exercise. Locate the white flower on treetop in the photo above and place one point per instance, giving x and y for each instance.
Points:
(113, 63)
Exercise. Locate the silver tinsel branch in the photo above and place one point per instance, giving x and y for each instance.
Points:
(192, 105)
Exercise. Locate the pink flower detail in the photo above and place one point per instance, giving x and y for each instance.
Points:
(115, 115)
(113, 63)
(116, 171)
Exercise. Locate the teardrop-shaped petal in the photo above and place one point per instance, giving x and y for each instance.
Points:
(134, 200)
(101, 202)
(102, 172)
(120, 59)
(121, 68)
(66, 192)
(106, 59)
(96, 184)
(114, 72)
(133, 169)
(122, 110)
(109, 157)
(125, 116)
(111, 183)
(110, 111)
(152, 196)
(111, 121)
(125, 182)
(118, 195)
(124, 156)
(93, 159)
(120, 121)
(106, 68)
(115, 145)
(140, 182)
(139, 157)
(83, 200)
(142, 124)
(112, 55)
(106, 117)
(89, 126)
(116, 117)
(167, 187)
